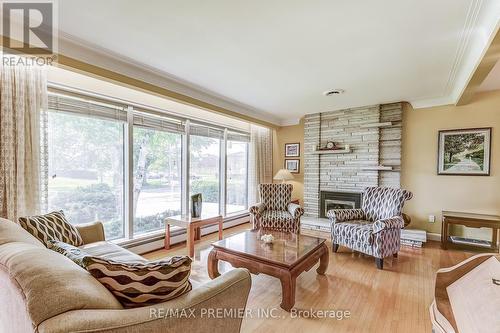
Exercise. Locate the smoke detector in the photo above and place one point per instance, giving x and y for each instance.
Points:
(334, 92)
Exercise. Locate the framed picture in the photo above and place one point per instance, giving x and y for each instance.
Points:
(292, 165)
(464, 152)
(292, 149)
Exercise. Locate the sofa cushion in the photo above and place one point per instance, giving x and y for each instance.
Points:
(112, 251)
(11, 232)
(51, 283)
(141, 284)
(51, 226)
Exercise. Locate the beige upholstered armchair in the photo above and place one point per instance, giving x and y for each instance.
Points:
(375, 229)
(275, 210)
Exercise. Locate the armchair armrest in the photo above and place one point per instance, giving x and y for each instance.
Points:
(395, 222)
(341, 215)
(295, 210)
(257, 209)
(91, 232)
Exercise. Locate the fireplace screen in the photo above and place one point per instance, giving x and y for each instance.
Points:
(338, 204)
(338, 200)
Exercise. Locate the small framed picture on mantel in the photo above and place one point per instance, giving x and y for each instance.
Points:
(464, 152)
(292, 149)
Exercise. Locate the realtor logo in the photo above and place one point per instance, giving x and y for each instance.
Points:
(29, 27)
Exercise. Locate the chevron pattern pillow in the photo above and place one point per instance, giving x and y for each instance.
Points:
(142, 284)
(51, 226)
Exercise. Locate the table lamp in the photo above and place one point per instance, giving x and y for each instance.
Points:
(283, 175)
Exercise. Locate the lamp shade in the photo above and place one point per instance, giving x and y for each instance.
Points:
(283, 175)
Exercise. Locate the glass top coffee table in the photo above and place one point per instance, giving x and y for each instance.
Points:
(286, 258)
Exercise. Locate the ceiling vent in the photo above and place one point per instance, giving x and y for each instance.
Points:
(334, 92)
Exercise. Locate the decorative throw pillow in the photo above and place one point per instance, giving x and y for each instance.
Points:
(51, 226)
(69, 251)
(142, 284)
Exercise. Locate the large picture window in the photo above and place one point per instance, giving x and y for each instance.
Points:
(236, 176)
(204, 172)
(157, 178)
(85, 169)
(131, 167)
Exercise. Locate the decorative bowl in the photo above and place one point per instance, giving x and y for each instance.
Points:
(268, 239)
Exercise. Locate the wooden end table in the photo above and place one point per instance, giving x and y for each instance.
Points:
(286, 258)
(473, 221)
(192, 226)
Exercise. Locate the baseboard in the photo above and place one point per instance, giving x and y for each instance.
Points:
(433, 236)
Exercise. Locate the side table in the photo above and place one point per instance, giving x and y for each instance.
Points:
(192, 226)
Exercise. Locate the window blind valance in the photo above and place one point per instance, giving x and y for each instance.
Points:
(235, 136)
(61, 103)
(143, 119)
(200, 130)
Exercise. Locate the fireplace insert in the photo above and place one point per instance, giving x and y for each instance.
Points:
(338, 200)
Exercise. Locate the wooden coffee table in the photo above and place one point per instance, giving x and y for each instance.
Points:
(285, 259)
(192, 225)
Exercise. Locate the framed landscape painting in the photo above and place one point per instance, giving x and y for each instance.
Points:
(464, 152)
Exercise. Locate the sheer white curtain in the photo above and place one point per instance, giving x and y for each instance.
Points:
(260, 165)
(23, 105)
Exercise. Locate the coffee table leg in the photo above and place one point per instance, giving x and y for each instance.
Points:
(213, 263)
(287, 291)
(324, 260)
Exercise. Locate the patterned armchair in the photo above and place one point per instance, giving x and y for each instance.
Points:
(275, 211)
(374, 229)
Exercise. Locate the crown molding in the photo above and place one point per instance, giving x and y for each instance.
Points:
(74, 48)
(480, 27)
(290, 122)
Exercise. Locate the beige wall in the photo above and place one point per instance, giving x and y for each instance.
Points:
(432, 193)
(290, 134)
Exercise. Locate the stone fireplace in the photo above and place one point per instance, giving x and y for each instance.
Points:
(371, 156)
(338, 200)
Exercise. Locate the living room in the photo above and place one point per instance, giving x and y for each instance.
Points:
(243, 167)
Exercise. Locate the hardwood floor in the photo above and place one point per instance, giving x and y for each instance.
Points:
(395, 299)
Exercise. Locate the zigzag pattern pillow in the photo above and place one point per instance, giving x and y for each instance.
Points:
(51, 226)
(142, 284)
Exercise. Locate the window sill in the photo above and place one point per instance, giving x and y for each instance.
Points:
(160, 234)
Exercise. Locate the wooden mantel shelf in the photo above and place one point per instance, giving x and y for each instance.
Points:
(333, 151)
(377, 168)
(373, 125)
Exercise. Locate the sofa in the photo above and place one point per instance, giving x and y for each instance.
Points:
(44, 291)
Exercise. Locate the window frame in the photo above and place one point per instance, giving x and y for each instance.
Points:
(128, 172)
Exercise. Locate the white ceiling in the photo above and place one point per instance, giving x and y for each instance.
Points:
(275, 58)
